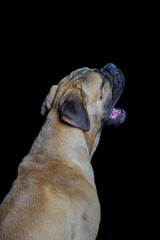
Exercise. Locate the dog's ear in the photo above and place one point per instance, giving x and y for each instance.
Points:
(47, 104)
(72, 109)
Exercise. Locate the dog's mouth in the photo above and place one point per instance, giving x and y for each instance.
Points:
(116, 117)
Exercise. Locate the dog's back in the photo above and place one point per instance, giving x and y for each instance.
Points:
(44, 201)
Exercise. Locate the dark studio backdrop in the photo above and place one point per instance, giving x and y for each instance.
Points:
(38, 51)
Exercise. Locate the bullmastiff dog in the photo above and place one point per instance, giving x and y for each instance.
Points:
(54, 196)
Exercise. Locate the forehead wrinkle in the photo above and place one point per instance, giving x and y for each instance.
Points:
(85, 75)
(77, 73)
(106, 77)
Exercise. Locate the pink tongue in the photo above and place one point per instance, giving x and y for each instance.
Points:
(115, 112)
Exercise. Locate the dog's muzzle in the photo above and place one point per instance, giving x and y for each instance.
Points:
(110, 72)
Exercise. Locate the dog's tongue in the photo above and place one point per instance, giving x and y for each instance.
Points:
(115, 113)
(116, 117)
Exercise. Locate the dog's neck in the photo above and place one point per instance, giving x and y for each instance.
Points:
(58, 142)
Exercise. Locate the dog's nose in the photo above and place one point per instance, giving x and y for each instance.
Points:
(118, 76)
(109, 67)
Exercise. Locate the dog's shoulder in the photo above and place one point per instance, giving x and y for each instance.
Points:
(53, 176)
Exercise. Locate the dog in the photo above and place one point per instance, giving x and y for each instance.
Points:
(54, 196)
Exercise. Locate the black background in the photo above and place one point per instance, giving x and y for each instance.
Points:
(40, 46)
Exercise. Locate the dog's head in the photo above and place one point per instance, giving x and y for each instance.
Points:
(85, 99)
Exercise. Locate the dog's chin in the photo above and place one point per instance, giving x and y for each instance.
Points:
(116, 118)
